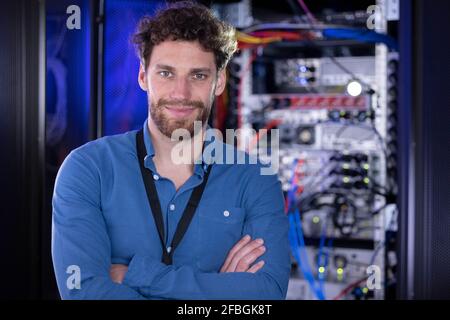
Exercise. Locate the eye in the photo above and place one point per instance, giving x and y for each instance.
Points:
(200, 76)
(165, 73)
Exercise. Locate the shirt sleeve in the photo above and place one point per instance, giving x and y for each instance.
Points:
(80, 243)
(265, 219)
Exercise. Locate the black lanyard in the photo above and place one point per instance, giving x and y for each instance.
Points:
(155, 205)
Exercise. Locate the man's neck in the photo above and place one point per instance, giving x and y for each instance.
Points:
(164, 145)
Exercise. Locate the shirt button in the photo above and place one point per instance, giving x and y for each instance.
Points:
(226, 213)
(156, 177)
(169, 249)
(172, 207)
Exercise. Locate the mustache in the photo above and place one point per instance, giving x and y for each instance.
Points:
(184, 102)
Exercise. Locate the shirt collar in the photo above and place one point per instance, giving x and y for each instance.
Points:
(199, 167)
(148, 140)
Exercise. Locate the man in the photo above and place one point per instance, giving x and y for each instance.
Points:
(113, 239)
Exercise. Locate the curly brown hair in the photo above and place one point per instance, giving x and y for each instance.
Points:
(189, 21)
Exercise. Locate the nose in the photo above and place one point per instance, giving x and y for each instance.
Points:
(181, 89)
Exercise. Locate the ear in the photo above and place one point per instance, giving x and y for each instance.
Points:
(221, 82)
(142, 78)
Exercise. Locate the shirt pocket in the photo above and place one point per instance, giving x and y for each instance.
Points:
(220, 227)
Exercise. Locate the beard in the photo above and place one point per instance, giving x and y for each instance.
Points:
(167, 125)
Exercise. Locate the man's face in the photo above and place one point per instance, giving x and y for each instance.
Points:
(181, 82)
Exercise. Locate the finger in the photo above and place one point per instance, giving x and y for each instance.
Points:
(114, 275)
(245, 240)
(243, 252)
(256, 267)
(246, 261)
(116, 271)
(113, 269)
(241, 243)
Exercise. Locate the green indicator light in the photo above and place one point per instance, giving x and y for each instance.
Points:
(340, 271)
(346, 179)
(316, 219)
(366, 180)
(321, 269)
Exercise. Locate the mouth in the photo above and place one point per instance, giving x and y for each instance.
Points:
(180, 111)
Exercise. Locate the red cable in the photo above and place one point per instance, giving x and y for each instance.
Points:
(305, 8)
(285, 35)
(294, 182)
(270, 125)
(344, 292)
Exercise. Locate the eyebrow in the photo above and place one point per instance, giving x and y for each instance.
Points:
(164, 66)
(204, 70)
(194, 70)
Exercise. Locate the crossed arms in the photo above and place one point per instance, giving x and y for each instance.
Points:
(80, 237)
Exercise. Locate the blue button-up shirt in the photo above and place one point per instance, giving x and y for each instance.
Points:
(101, 216)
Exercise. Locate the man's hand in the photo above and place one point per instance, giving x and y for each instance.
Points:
(239, 259)
(243, 254)
(117, 272)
